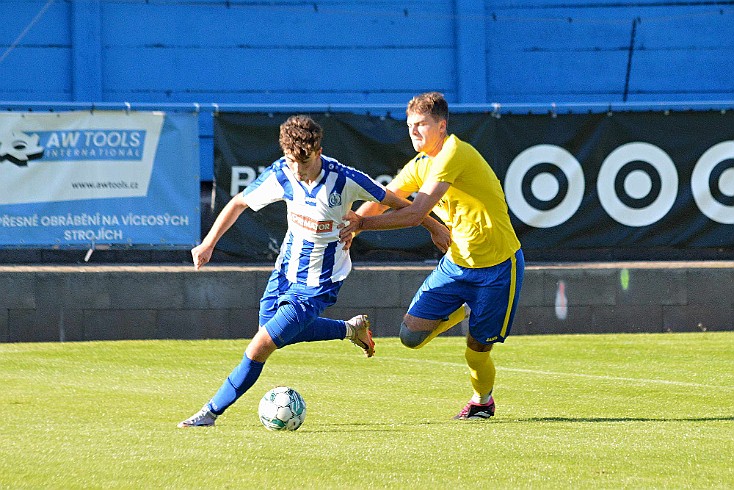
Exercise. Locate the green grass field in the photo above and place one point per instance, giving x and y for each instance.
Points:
(589, 411)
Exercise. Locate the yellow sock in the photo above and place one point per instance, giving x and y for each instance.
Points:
(454, 318)
(482, 373)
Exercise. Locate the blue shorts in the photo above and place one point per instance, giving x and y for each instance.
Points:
(492, 294)
(310, 302)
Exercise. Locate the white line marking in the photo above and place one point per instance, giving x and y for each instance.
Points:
(578, 375)
(618, 378)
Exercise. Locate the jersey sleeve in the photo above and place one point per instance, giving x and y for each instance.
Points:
(446, 167)
(362, 187)
(407, 179)
(266, 189)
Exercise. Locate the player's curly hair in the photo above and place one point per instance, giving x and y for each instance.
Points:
(432, 103)
(300, 136)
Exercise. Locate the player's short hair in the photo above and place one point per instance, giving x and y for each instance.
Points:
(300, 136)
(432, 103)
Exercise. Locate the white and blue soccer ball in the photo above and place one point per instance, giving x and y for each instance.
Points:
(282, 408)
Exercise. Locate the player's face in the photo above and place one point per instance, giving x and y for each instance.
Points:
(427, 133)
(307, 170)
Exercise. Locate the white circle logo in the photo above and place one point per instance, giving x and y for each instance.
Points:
(634, 203)
(702, 182)
(552, 198)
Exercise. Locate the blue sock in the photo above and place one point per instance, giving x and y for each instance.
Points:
(237, 383)
(321, 329)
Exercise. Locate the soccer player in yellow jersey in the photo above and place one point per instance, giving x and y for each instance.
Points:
(483, 267)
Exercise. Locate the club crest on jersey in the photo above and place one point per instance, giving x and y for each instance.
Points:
(335, 199)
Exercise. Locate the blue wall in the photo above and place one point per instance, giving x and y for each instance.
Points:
(365, 52)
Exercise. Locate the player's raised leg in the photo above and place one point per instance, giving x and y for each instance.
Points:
(417, 332)
(356, 329)
(314, 328)
(438, 305)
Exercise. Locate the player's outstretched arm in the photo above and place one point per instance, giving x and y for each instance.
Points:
(407, 213)
(201, 254)
(350, 221)
(354, 222)
(440, 234)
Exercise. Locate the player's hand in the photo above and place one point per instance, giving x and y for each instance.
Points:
(441, 237)
(349, 226)
(201, 255)
(347, 241)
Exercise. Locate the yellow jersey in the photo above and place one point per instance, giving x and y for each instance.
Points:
(474, 206)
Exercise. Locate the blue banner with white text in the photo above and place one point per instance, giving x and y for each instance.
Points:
(103, 178)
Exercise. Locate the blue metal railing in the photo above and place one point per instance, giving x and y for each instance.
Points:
(377, 109)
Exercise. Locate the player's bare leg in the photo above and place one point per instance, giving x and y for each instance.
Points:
(416, 332)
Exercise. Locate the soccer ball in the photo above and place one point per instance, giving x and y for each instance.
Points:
(282, 408)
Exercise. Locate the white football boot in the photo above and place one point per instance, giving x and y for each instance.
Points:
(202, 418)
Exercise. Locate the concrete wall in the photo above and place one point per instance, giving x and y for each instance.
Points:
(70, 303)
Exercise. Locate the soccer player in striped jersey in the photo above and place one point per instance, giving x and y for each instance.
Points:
(484, 265)
(312, 263)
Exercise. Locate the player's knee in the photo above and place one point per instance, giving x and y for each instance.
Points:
(411, 339)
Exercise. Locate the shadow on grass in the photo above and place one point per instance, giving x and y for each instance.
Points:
(386, 427)
(621, 419)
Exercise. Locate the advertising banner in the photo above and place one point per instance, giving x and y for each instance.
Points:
(655, 183)
(82, 179)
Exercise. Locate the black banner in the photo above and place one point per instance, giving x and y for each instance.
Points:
(636, 184)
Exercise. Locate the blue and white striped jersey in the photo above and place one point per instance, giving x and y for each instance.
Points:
(311, 254)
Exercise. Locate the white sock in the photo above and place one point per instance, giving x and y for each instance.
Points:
(350, 331)
(482, 400)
